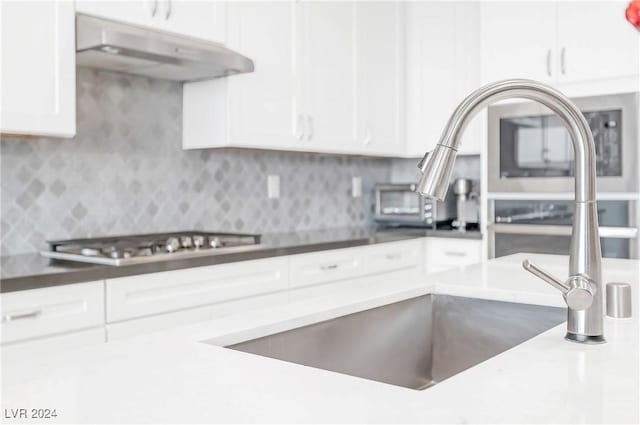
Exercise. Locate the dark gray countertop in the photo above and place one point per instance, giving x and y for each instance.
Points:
(31, 271)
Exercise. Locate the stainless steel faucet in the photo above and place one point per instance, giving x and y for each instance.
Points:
(582, 291)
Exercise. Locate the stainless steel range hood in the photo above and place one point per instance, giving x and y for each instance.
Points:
(116, 46)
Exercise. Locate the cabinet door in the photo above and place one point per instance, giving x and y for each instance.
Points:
(201, 19)
(328, 33)
(38, 68)
(263, 105)
(518, 40)
(596, 42)
(39, 312)
(380, 82)
(139, 12)
(430, 72)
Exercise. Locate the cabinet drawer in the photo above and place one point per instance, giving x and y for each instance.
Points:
(393, 256)
(38, 312)
(155, 293)
(325, 266)
(451, 252)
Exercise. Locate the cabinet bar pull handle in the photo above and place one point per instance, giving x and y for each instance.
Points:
(563, 54)
(455, 253)
(393, 256)
(329, 267)
(20, 316)
(154, 8)
(169, 10)
(549, 62)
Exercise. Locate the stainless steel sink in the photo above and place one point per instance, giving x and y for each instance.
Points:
(414, 343)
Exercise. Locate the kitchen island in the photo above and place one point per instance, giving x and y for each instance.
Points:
(172, 376)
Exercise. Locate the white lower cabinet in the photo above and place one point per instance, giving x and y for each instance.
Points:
(155, 293)
(73, 315)
(448, 253)
(39, 312)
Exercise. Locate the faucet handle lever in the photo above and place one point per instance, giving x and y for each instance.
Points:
(578, 290)
(546, 276)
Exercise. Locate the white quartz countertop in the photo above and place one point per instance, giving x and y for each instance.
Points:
(173, 377)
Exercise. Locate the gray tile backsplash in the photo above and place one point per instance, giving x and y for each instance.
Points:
(125, 172)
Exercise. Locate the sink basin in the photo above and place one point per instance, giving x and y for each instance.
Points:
(414, 343)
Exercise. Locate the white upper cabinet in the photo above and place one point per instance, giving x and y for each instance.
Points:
(263, 105)
(329, 75)
(38, 68)
(561, 43)
(518, 40)
(595, 41)
(328, 78)
(442, 68)
(380, 83)
(200, 19)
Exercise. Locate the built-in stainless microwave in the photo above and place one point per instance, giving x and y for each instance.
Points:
(529, 149)
(399, 204)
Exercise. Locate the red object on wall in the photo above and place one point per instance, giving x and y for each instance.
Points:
(633, 13)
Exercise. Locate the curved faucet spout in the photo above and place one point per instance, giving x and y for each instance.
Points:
(585, 283)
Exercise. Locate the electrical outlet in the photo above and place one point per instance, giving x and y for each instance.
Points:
(273, 186)
(356, 187)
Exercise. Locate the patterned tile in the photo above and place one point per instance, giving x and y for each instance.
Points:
(125, 172)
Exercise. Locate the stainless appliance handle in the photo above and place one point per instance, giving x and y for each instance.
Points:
(556, 230)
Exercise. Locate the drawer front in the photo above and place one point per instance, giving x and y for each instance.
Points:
(325, 266)
(391, 256)
(145, 295)
(452, 252)
(39, 312)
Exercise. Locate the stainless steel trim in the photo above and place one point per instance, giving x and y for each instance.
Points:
(557, 230)
(20, 316)
(151, 258)
(116, 46)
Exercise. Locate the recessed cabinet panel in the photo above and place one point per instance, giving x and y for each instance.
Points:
(596, 41)
(263, 105)
(380, 82)
(442, 68)
(38, 68)
(329, 73)
(518, 40)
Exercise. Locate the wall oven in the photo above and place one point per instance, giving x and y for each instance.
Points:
(545, 227)
(529, 150)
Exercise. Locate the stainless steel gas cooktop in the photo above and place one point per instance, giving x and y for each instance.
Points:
(136, 249)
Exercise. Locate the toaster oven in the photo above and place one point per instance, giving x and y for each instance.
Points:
(400, 205)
